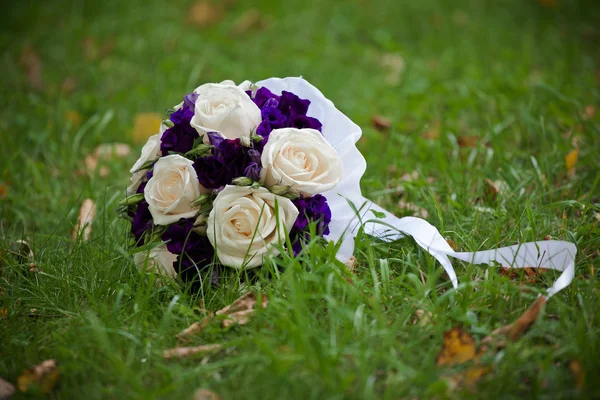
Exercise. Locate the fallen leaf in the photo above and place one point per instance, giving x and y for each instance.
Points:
(204, 13)
(194, 329)
(43, 376)
(205, 394)
(413, 209)
(3, 312)
(531, 274)
(571, 160)
(7, 389)
(452, 244)
(73, 117)
(458, 347)
(394, 65)
(239, 317)
(252, 19)
(548, 3)
(515, 330)
(3, 190)
(433, 131)
(145, 125)
(103, 153)
(351, 264)
(589, 112)
(183, 352)
(69, 85)
(467, 141)
(381, 123)
(492, 189)
(33, 66)
(87, 213)
(22, 251)
(578, 375)
(422, 317)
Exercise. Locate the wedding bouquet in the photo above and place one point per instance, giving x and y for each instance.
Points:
(242, 172)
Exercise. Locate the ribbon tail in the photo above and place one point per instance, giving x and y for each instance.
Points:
(550, 254)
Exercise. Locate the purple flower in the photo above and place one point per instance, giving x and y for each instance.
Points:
(180, 137)
(273, 116)
(292, 105)
(230, 160)
(303, 121)
(262, 96)
(252, 171)
(311, 209)
(142, 221)
(194, 252)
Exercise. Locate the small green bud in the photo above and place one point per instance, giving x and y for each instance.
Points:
(256, 138)
(245, 141)
(201, 150)
(131, 200)
(285, 191)
(242, 181)
(168, 123)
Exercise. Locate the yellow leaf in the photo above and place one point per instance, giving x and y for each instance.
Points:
(73, 117)
(43, 376)
(205, 394)
(571, 158)
(458, 348)
(146, 125)
(204, 13)
(3, 312)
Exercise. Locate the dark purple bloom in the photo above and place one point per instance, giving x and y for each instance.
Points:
(180, 137)
(273, 116)
(142, 221)
(229, 161)
(194, 252)
(303, 121)
(252, 171)
(292, 105)
(311, 209)
(262, 96)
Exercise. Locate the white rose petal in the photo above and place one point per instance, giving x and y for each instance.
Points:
(173, 187)
(159, 260)
(226, 109)
(300, 158)
(243, 226)
(150, 151)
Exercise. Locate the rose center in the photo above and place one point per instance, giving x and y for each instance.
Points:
(242, 226)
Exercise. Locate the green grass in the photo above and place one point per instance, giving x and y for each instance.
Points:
(515, 74)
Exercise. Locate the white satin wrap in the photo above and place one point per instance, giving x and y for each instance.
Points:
(343, 134)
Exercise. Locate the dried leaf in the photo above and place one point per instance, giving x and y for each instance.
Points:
(205, 394)
(413, 209)
(452, 244)
(145, 125)
(7, 389)
(193, 330)
(252, 19)
(103, 153)
(578, 374)
(183, 352)
(381, 123)
(467, 141)
(3, 190)
(571, 160)
(69, 85)
(589, 112)
(204, 13)
(422, 317)
(239, 317)
(531, 274)
(458, 348)
(548, 3)
(491, 190)
(33, 67)
(87, 213)
(515, 330)
(394, 65)
(43, 376)
(351, 264)
(3, 312)
(433, 132)
(73, 117)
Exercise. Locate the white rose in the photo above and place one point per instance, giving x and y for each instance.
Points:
(173, 186)
(300, 158)
(226, 109)
(150, 151)
(159, 260)
(243, 226)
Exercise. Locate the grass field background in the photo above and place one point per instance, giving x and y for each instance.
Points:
(517, 81)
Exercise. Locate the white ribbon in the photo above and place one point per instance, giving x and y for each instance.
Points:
(343, 134)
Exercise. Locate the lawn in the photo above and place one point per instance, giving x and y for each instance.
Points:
(473, 90)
